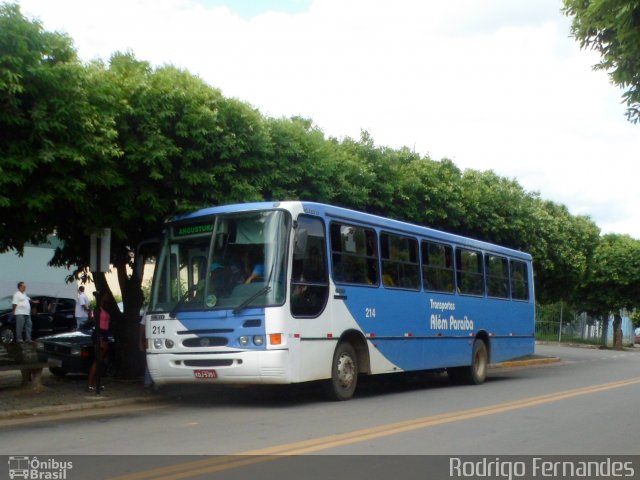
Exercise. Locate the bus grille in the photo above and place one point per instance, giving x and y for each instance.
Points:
(205, 342)
(208, 363)
(203, 331)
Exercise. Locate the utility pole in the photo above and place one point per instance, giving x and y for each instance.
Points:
(99, 262)
(560, 329)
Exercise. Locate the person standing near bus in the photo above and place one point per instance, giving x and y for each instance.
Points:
(102, 341)
(82, 307)
(22, 312)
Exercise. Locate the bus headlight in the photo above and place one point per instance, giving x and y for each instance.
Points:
(243, 340)
(162, 343)
(258, 340)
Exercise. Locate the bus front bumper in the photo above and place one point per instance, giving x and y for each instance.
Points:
(262, 367)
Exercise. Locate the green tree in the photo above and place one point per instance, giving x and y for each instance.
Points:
(561, 245)
(612, 282)
(301, 163)
(612, 28)
(497, 209)
(179, 146)
(49, 129)
(430, 193)
(125, 146)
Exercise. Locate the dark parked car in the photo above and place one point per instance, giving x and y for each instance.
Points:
(52, 315)
(73, 352)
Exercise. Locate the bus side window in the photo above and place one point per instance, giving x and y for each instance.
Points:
(497, 276)
(437, 267)
(309, 277)
(519, 280)
(354, 254)
(470, 271)
(399, 262)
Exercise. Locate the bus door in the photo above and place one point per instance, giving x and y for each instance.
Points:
(309, 296)
(309, 275)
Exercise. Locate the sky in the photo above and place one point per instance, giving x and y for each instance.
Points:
(490, 84)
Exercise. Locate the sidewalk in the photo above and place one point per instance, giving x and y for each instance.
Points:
(62, 395)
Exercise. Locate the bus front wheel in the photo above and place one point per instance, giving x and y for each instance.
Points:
(344, 373)
(476, 373)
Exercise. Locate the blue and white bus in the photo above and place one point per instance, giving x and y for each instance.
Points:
(291, 292)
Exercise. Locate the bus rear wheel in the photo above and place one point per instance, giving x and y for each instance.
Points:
(476, 373)
(344, 373)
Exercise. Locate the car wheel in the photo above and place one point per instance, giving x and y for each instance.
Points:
(7, 335)
(58, 372)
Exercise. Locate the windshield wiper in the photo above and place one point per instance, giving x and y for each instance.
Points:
(243, 305)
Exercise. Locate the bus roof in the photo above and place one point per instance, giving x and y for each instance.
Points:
(348, 215)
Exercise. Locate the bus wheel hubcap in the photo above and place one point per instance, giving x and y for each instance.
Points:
(481, 364)
(346, 371)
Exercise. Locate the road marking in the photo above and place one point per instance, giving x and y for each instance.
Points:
(227, 462)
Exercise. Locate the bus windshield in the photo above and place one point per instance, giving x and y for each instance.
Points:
(232, 261)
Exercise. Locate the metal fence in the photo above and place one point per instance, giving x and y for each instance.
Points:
(559, 323)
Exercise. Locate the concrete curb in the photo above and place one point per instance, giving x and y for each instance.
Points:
(90, 404)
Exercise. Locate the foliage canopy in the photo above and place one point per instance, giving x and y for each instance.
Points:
(612, 28)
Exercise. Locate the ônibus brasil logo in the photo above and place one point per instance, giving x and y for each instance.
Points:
(38, 469)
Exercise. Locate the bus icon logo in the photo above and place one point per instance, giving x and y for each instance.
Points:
(18, 467)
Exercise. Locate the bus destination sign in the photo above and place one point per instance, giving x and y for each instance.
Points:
(193, 229)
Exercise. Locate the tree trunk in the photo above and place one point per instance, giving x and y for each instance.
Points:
(129, 359)
(617, 331)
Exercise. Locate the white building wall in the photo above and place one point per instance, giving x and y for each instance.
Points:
(33, 269)
(41, 279)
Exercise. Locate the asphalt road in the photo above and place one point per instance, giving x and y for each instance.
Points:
(584, 405)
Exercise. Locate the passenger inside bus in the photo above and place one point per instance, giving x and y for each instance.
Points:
(257, 267)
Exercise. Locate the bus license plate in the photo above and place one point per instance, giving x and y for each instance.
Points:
(205, 374)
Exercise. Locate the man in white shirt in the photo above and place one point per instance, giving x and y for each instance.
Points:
(82, 307)
(22, 311)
